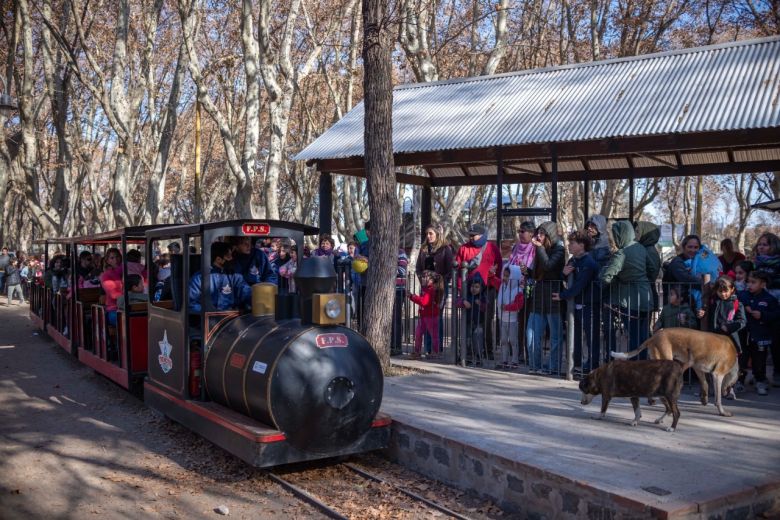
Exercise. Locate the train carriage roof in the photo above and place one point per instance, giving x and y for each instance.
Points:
(275, 225)
(132, 234)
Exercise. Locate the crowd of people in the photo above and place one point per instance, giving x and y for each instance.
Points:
(609, 282)
(17, 271)
(616, 282)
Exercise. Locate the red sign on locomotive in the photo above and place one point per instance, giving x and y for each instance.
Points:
(255, 229)
(332, 339)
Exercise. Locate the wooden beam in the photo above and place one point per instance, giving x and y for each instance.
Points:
(622, 173)
(702, 141)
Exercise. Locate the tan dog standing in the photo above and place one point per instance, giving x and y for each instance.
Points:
(708, 353)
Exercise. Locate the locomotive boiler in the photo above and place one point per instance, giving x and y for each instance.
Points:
(319, 384)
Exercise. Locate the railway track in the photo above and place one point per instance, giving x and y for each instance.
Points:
(325, 504)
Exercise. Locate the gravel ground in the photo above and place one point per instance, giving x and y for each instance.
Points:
(75, 445)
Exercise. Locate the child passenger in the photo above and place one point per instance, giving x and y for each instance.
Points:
(135, 291)
(432, 294)
(511, 301)
(762, 313)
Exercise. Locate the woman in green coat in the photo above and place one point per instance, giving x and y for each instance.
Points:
(626, 285)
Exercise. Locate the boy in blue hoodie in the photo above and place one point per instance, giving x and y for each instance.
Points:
(585, 269)
(762, 311)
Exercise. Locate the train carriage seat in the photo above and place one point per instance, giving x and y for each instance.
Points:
(139, 307)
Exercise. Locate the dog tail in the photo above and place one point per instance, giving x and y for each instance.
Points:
(629, 355)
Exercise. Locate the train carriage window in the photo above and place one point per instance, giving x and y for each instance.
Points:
(165, 274)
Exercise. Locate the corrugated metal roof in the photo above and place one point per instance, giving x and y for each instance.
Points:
(722, 87)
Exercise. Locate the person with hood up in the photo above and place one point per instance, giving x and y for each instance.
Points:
(596, 226)
(544, 311)
(627, 286)
(648, 235)
(510, 302)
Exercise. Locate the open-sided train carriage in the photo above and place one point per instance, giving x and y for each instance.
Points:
(117, 352)
(52, 311)
(264, 385)
(38, 291)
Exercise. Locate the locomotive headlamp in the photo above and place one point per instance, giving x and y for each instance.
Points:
(333, 309)
(328, 309)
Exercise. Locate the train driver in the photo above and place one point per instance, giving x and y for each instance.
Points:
(228, 291)
(252, 262)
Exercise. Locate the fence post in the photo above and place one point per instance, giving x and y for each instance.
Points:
(454, 336)
(570, 332)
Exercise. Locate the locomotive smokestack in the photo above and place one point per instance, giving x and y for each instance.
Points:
(314, 275)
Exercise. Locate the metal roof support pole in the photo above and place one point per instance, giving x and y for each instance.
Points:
(631, 193)
(326, 202)
(425, 209)
(585, 201)
(554, 216)
(499, 197)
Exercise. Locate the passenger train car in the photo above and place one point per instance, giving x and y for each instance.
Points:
(282, 383)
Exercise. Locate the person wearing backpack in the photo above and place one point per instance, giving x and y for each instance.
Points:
(728, 315)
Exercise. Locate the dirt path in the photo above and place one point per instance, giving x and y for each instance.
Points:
(74, 445)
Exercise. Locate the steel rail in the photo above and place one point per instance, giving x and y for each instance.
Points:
(410, 494)
(307, 497)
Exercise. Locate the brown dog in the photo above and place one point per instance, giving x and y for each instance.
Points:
(711, 353)
(635, 379)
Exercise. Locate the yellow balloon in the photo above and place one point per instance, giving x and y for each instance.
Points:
(360, 265)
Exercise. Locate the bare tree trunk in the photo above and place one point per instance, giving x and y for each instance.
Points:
(744, 186)
(46, 219)
(378, 142)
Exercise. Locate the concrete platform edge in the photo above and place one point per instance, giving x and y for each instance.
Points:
(532, 492)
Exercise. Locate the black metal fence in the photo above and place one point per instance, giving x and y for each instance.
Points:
(483, 326)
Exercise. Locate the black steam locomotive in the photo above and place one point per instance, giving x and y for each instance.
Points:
(286, 382)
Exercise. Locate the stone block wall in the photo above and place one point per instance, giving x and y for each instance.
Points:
(534, 493)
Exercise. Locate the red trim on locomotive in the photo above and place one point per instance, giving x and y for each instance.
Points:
(217, 416)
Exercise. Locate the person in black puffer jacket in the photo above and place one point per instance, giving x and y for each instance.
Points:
(544, 311)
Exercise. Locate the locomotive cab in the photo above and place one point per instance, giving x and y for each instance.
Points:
(279, 381)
